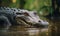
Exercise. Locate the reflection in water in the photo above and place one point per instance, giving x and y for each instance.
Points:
(33, 31)
(21, 31)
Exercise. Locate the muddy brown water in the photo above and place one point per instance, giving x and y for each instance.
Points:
(22, 31)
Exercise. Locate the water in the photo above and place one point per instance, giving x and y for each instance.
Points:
(21, 31)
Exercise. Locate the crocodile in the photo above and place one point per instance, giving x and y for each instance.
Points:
(15, 16)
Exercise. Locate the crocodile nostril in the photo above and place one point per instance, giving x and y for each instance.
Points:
(39, 21)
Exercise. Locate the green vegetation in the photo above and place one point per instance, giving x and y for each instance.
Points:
(29, 4)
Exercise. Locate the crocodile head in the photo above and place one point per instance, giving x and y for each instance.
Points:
(31, 18)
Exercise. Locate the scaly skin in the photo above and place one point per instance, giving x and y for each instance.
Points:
(25, 17)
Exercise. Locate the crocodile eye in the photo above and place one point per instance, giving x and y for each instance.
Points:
(35, 13)
(39, 21)
(26, 14)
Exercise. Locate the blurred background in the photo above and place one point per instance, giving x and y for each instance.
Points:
(42, 6)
